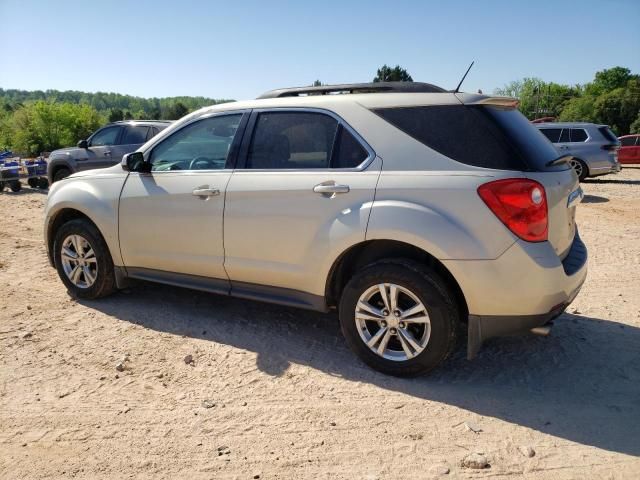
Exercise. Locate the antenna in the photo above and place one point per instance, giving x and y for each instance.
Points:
(463, 77)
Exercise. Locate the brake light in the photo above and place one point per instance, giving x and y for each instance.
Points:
(519, 203)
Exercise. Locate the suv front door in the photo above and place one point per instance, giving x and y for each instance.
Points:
(299, 197)
(98, 154)
(171, 218)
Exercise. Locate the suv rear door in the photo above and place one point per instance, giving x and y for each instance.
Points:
(297, 199)
(132, 138)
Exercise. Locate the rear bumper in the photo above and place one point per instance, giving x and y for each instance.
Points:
(524, 288)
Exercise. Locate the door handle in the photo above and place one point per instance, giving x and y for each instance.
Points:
(331, 188)
(107, 152)
(206, 192)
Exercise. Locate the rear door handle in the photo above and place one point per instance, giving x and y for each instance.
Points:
(206, 192)
(331, 188)
(108, 152)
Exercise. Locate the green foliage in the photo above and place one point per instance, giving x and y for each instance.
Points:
(613, 98)
(45, 126)
(32, 122)
(635, 126)
(395, 74)
(104, 103)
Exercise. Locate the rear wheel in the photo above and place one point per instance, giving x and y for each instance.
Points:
(61, 173)
(83, 261)
(43, 183)
(399, 317)
(580, 168)
(15, 185)
(33, 182)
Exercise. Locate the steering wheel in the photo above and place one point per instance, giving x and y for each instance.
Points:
(200, 163)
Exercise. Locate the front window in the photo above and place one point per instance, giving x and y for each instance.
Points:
(202, 145)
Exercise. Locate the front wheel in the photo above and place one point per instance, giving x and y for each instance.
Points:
(83, 261)
(15, 185)
(399, 317)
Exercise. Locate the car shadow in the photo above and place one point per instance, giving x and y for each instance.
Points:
(611, 180)
(25, 191)
(582, 383)
(594, 199)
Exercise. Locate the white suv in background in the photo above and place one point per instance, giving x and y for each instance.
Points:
(409, 209)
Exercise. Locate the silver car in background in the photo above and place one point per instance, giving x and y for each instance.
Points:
(594, 148)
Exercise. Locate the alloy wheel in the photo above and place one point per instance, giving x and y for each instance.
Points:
(79, 261)
(393, 322)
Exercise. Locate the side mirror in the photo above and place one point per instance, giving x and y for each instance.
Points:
(134, 162)
(83, 144)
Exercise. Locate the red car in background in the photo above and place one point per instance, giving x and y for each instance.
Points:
(629, 149)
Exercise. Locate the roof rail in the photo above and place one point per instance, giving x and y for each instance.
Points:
(375, 87)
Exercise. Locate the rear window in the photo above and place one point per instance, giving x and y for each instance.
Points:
(578, 135)
(482, 136)
(608, 134)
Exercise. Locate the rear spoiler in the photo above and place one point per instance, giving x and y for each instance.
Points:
(477, 99)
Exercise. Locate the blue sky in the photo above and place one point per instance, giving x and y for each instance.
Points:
(238, 49)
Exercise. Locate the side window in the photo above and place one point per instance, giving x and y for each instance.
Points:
(348, 152)
(564, 136)
(203, 145)
(106, 136)
(292, 140)
(628, 141)
(134, 134)
(578, 135)
(153, 131)
(553, 134)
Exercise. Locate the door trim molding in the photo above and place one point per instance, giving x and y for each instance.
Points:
(250, 291)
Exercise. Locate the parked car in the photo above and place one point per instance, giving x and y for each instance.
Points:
(409, 209)
(104, 148)
(629, 149)
(594, 147)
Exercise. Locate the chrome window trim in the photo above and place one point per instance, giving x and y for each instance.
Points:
(341, 122)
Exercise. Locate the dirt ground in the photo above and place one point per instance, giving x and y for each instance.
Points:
(274, 392)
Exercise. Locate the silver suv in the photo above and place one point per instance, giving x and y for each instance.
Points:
(408, 209)
(594, 148)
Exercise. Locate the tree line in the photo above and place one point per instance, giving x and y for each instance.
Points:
(612, 98)
(35, 121)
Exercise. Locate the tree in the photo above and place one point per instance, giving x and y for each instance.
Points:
(578, 109)
(45, 126)
(175, 111)
(115, 115)
(395, 74)
(635, 126)
(539, 98)
(610, 79)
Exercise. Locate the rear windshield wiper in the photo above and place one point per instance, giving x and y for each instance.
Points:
(559, 161)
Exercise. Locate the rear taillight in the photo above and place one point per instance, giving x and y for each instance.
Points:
(614, 146)
(519, 203)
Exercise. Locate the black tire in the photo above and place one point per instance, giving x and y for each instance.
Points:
(431, 290)
(1, 186)
(33, 182)
(15, 185)
(61, 173)
(43, 183)
(584, 171)
(104, 283)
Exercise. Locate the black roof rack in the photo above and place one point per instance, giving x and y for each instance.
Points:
(375, 87)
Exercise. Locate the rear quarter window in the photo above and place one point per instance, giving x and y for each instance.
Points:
(481, 136)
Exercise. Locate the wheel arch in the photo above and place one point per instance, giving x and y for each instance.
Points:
(61, 217)
(370, 251)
